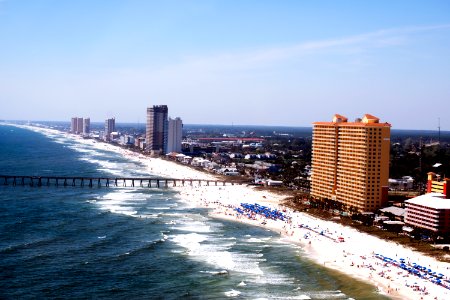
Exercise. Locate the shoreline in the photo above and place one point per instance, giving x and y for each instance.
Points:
(354, 257)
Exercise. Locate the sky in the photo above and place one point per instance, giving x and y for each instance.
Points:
(287, 63)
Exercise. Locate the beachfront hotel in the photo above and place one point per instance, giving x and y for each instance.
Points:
(110, 127)
(86, 126)
(76, 125)
(350, 162)
(80, 125)
(432, 210)
(174, 135)
(156, 130)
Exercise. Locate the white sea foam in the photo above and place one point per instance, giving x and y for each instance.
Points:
(232, 293)
(103, 163)
(254, 240)
(195, 227)
(190, 241)
(303, 297)
(273, 278)
(222, 272)
(83, 149)
(328, 295)
(146, 216)
(122, 202)
(215, 252)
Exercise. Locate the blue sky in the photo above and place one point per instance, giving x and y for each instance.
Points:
(223, 62)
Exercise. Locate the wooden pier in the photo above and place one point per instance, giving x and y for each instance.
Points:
(68, 181)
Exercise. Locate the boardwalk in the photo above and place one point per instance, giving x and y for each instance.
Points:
(148, 182)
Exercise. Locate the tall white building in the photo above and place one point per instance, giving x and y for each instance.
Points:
(86, 126)
(110, 126)
(76, 125)
(73, 125)
(174, 137)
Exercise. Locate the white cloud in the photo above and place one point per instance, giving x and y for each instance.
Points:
(262, 57)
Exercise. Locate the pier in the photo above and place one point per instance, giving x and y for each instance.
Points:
(142, 182)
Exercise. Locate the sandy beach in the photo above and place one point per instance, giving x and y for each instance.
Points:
(327, 243)
(355, 255)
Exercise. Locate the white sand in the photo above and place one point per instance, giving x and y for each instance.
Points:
(354, 256)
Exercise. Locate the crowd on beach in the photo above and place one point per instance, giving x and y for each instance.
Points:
(334, 245)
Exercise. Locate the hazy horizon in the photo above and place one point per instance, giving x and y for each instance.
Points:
(288, 63)
(118, 123)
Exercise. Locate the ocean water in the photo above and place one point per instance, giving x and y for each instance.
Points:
(135, 243)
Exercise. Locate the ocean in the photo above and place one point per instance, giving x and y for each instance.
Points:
(135, 243)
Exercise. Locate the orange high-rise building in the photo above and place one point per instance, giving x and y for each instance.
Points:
(350, 162)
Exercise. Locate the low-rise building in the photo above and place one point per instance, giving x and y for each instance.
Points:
(429, 211)
(404, 183)
(127, 140)
(139, 143)
(395, 213)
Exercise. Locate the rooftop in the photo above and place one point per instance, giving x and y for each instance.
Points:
(367, 120)
(396, 211)
(431, 200)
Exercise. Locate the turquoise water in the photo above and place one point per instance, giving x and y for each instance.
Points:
(115, 243)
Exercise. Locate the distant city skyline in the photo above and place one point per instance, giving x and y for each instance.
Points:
(287, 63)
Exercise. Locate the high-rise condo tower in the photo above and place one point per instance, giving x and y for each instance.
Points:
(157, 129)
(110, 126)
(350, 162)
(174, 135)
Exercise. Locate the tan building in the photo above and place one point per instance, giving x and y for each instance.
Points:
(350, 162)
